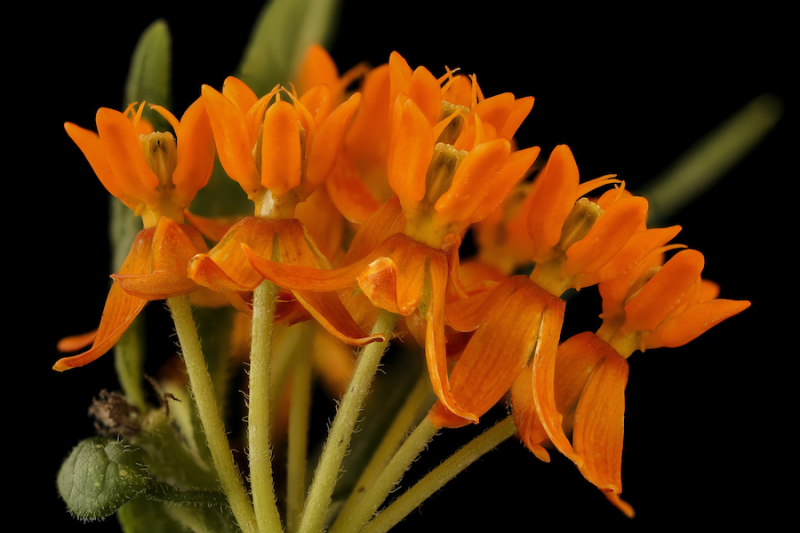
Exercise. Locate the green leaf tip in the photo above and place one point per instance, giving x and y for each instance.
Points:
(149, 76)
(280, 37)
(99, 476)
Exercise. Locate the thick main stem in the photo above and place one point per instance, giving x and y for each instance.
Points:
(440, 475)
(203, 393)
(260, 453)
(327, 472)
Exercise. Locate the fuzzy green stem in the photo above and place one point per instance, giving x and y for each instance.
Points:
(368, 494)
(260, 453)
(298, 428)
(327, 472)
(203, 393)
(440, 475)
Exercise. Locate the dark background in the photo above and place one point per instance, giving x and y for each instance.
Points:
(628, 91)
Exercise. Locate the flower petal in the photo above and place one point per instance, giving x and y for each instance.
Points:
(349, 192)
(125, 156)
(514, 168)
(696, 320)
(328, 142)
(410, 152)
(234, 146)
(599, 424)
(553, 193)
(195, 153)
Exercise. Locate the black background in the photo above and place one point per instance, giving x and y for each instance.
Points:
(627, 90)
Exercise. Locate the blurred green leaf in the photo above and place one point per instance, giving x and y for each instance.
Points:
(145, 516)
(150, 72)
(285, 28)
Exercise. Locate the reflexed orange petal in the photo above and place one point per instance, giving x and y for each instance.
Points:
(473, 179)
(281, 157)
(328, 310)
(195, 153)
(435, 351)
(234, 146)
(174, 245)
(607, 237)
(663, 292)
(526, 419)
(225, 267)
(378, 281)
(125, 156)
(514, 169)
(74, 343)
(599, 425)
(120, 309)
(212, 228)
(411, 258)
(543, 378)
(328, 142)
(92, 148)
(696, 320)
(553, 193)
(411, 150)
(499, 349)
(578, 357)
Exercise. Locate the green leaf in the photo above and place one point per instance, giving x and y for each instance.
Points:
(99, 476)
(285, 28)
(145, 516)
(150, 72)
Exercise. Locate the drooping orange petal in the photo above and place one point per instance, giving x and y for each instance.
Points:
(515, 167)
(411, 258)
(212, 228)
(225, 267)
(695, 321)
(174, 245)
(281, 156)
(543, 380)
(195, 154)
(120, 309)
(527, 421)
(410, 153)
(663, 292)
(234, 146)
(607, 237)
(435, 351)
(328, 142)
(599, 425)
(125, 156)
(553, 193)
(73, 343)
(498, 351)
(328, 310)
(473, 179)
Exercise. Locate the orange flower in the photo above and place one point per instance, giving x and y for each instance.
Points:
(157, 180)
(440, 190)
(578, 244)
(278, 153)
(654, 306)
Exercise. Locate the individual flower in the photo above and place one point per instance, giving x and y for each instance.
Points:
(279, 153)
(440, 190)
(157, 179)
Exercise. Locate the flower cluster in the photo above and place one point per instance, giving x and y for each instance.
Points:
(361, 202)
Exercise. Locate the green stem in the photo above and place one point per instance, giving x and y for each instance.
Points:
(368, 494)
(260, 454)
(203, 392)
(439, 476)
(327, 472)
(710, 158)
(298, 428)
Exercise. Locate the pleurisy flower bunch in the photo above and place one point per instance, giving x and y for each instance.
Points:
(361, 202)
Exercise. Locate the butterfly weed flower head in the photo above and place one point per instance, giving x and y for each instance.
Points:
(156, 176)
